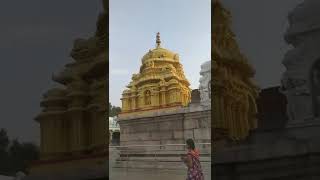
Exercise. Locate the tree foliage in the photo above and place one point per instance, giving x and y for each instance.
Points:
(14, 155)
(113, 110)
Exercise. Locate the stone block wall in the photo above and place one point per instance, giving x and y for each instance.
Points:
(173, 128)
(303, 167)
(280, 154)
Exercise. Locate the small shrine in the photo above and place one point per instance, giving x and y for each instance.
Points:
(160, 112)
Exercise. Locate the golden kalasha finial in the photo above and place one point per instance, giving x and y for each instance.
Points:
(158, 40)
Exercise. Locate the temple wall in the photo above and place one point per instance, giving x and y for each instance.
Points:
(296, 167)
(166, 128)
(275, 155)
(81, 168)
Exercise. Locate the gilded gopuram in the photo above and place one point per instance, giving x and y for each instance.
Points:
(160, 83)
(72, 121)
(234, 93)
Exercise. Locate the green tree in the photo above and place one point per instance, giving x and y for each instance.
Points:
(21, 154)
(4, 156)
(4, 140)
(15, 156)
(113, 110)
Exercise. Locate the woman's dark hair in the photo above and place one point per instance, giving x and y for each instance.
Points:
(190, 144)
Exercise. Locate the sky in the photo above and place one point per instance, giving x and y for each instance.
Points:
(36, 37)
(184, 26)
(259, 26)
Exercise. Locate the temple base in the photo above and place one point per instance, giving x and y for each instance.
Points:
(85, 167)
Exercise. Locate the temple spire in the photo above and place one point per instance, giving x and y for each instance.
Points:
(158, 41)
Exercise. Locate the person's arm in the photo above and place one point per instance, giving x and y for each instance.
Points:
(188, 161)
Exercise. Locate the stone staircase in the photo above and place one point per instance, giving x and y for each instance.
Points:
(168, 160)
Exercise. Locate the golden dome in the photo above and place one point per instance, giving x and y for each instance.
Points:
(160, 53)
(160, 83)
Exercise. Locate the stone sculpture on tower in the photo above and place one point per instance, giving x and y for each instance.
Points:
(300, 82)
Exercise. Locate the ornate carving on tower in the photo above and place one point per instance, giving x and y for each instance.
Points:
(234, 93)
(72, 121)
(159, 84)
(205, 84)
(302, 63)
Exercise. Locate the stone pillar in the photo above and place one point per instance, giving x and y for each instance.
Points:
(156, 98)
(163, 97)
(133, 102)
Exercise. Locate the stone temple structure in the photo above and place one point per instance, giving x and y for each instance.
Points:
(158, 92)
(234, 93)
(164, 115)
(114, 131)
(285, 144)
(72, 121)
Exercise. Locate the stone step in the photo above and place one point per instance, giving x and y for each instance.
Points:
(166, 158)
(160, 165)
(162, 153)
(206, 166)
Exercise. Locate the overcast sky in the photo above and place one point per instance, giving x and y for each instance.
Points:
(36, 37)
(184, 26)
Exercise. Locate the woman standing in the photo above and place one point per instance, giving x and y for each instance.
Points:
(192, 161)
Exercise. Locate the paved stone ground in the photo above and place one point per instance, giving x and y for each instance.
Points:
(145, 174)
(138, 174)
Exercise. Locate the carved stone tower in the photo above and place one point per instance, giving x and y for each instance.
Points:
(234, 93)
(72, 121)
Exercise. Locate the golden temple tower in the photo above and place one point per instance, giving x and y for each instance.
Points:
(161, 83)
(72, 120)
(234, 93)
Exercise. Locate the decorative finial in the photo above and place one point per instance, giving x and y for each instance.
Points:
(158, 40)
